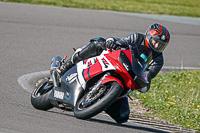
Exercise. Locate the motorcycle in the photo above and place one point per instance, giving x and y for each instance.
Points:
(93, 84)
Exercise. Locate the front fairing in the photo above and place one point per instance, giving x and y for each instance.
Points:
(136, 66)
(140, 60)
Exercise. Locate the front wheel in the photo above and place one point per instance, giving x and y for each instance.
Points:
(92, 104)
(39, 97)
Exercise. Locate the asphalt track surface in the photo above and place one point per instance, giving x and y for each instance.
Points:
(30, 35)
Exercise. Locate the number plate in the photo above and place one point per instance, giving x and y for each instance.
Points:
(58, 94)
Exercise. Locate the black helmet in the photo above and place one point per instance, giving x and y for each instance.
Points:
(159, 34)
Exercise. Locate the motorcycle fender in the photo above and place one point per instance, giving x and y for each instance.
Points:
(110, 79)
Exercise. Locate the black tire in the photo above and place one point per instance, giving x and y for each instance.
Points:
(39, 97)
(100, 104)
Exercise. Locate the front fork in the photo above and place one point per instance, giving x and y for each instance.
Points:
(55, 63)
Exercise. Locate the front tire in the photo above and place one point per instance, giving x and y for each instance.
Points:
(88, 110)
(40, 95)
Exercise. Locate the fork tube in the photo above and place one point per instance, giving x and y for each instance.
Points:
(54, 78)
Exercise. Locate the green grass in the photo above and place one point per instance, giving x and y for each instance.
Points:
(169, 7)
(175, 97)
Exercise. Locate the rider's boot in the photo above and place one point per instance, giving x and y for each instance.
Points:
(70, 63)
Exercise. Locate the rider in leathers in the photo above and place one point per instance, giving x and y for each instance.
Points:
(155, 40)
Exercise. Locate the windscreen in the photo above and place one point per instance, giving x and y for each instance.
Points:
(140, 61)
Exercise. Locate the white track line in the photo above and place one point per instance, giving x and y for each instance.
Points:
(24, 81)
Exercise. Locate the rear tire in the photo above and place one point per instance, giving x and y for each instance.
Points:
(40, 95)
(100, 104)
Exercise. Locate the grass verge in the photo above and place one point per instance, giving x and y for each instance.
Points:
(175, 97)
(169, 7)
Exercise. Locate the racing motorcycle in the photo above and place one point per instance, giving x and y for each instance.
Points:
(93, 84)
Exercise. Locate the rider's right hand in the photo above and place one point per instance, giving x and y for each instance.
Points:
(111, 43)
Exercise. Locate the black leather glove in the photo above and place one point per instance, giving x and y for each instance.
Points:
(111, 43)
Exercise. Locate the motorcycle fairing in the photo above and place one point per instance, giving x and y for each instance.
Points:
(135, 68)
(70, 89)
(93, 66)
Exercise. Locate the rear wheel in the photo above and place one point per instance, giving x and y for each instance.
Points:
(39, 97)
(92, 104)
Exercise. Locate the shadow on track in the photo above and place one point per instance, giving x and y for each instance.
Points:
(148, 129)
(61, 113)
(128, 126)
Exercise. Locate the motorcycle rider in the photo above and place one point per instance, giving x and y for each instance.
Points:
(155, 40)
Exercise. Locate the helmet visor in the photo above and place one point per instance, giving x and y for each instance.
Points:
(157, 45)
